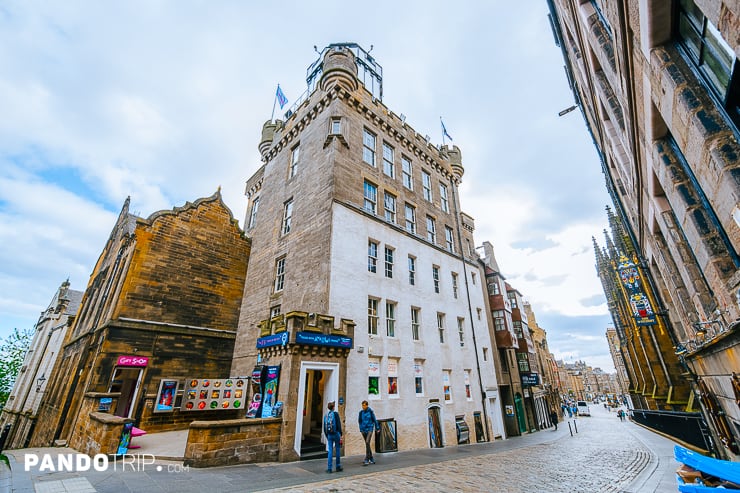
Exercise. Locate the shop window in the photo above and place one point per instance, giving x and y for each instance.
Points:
(373, 379)
(393, 378)
(419, 377)
(446, 389)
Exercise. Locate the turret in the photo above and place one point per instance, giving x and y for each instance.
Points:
(455, 157)
(339, 68)
(268, 134)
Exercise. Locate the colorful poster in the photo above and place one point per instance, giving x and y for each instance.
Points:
(269, 397)
(255, 406)
(166, 396)
(125, 440)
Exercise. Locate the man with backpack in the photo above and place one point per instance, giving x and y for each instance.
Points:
(368, 424)
(333, 433)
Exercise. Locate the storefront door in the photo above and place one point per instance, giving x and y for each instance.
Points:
(435, 427)
(521, 418)
(318, 384)
(126, 381)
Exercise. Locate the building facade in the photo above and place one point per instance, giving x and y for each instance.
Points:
(162, 303)
(658, 86)
(358, 236)
(30, 386)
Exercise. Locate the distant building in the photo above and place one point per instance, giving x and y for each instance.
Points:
(31, 384)
(659, 87)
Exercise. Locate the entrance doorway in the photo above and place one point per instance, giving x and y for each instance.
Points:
(521, 419)
(318, 384)
(435, 427)
(126, 381)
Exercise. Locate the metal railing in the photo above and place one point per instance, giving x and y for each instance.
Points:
(686, 427)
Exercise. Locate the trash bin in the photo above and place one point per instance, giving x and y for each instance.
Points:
(386, 440)
(463, 431)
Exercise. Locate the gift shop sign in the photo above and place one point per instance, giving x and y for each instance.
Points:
(132, 361)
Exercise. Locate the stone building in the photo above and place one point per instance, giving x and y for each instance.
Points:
(507, 342)
(658, 86)
(364, 283)
(544, 385)
(621, 377)
(30, 386)
(162, 303)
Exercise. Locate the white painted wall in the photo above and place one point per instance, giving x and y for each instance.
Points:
(351, 284)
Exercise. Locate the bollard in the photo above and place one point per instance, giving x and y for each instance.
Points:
(575, 425)
(4, 436)
(570, 429)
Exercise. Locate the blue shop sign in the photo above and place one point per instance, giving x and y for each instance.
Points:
(530, 379)
(323, 339)
(279, 339)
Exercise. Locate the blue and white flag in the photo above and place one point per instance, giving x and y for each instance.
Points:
(444, 130)
(281, 99)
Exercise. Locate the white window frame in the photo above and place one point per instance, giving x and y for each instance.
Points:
(443, 200)
(407, 172)
(371, 201)
(372, 315)
(390, 318)
(412, 270)
(454, 284)
(369, 142)
(461, 330)
(415, 323)
(431, 230)
(426, 185)
(388, 256)
(435, 278)
(441, 326)
(388, 157)
(279, 284)
(287, 217)
(253, 214)
(449, 239)
(389, 204)
(372, 256)
(295, 154)
(410, 216)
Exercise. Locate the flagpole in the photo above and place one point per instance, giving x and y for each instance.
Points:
(273, 104)
(442, 127)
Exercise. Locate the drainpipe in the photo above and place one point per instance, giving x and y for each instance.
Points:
(453, 188)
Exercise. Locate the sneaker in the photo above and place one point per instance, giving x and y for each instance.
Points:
(365, 462)
(328, 471)
(372, 461)
(340, 469)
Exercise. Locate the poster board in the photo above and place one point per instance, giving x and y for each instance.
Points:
(205, 394)
(166, 396)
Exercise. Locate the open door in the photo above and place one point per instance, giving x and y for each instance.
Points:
(126, 381)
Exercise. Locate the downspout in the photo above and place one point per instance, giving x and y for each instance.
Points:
(453, 187)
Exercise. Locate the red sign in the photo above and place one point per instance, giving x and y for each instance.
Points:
(132, 361)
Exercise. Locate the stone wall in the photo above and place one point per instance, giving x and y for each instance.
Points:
(96, 432)
(237, 441)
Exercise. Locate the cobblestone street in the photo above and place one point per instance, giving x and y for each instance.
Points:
(605, 455)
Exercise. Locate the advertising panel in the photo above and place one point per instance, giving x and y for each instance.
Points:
(204, 394)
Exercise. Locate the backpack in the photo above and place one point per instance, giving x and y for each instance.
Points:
(329, 423)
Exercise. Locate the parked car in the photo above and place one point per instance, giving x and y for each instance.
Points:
(583, 409)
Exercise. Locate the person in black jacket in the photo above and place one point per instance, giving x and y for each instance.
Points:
(554, 418)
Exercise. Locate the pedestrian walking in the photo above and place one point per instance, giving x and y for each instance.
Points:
(368, 423)
(333, 432)
(554, 418)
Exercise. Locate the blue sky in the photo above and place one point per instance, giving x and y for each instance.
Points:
(164, 101)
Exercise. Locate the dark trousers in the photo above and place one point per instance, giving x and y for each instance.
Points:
(368, 435)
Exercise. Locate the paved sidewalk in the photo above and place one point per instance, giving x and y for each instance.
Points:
(605, 455)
